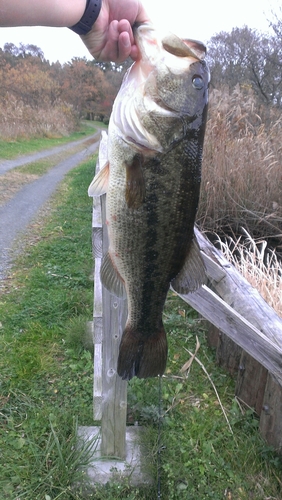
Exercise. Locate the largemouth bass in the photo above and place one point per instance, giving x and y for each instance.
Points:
(152, 176)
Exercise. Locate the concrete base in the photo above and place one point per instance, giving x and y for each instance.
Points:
(102, 470)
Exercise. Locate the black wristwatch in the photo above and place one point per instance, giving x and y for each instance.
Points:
(89, 17)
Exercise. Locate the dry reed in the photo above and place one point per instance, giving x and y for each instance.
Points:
(19, 120)
(242, 167)
(259, 265)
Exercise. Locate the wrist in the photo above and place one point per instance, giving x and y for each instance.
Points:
(89, 17)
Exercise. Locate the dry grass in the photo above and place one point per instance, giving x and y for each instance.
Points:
(11, 183)
(242, 174)
(20, 120)
(258, 265)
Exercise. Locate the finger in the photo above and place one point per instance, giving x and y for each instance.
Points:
(135, 53)
(110, 50)
(124, 46)
(125, 26)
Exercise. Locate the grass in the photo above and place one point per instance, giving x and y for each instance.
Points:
(46, 377)
(16, 147)
(201, 458)
(13, 180)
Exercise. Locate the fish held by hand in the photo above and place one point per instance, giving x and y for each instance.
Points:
(151, 172)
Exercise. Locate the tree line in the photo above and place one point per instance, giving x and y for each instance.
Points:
(245, 58)
(27, 77)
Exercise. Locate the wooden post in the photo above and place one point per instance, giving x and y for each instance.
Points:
(98, 308)
(251, 381)
(110, 392)
(228, 354)
(114, 389)
(271, 415)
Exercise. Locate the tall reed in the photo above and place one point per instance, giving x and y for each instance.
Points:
(259, 265)
(242, 166)
(19, 120)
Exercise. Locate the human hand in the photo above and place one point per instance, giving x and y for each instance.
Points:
(111, 38)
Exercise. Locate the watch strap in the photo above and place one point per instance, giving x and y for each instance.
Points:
(89, 17)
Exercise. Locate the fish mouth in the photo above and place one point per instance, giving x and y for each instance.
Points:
(170, 42)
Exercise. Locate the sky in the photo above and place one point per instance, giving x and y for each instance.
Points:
(200, 20)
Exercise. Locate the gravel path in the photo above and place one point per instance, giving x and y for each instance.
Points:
(6, 165)
(19, 211)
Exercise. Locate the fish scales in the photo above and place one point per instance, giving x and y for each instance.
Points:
(153, 185)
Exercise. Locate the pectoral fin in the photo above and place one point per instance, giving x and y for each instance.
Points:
(193, 273)
(99, 185)
(111, 279)
(135, 182)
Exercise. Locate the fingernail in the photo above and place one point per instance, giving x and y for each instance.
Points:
(126, 42)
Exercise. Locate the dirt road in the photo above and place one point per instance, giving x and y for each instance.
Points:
(21, 210)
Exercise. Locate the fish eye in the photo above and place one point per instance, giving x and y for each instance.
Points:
(197, 82)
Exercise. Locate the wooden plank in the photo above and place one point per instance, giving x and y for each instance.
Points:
(213, 334)
(110, 392)
(98, 335)
(114, 389)
(241, 331)
(271, 415)
(96, 212)
(97, 242)
(97, 306)
(251, 381)
(228, 354)
(230, 285)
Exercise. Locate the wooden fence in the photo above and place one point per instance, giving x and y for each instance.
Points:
(243, 327)
(247, 334)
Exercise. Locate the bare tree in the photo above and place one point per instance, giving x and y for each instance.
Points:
(247, 57)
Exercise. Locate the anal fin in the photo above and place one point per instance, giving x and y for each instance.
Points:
(192, 274)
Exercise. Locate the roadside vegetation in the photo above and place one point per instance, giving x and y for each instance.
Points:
(13, 147)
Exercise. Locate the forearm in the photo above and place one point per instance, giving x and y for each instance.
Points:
(41, 13)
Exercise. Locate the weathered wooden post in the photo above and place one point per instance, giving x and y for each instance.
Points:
(97, 238)
(110, 392)
(114, 389)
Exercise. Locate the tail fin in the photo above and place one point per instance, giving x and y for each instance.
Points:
(142, 357)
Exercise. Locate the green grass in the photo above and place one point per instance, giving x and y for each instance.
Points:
(40, 167)
(46, 379)
(12, 149)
